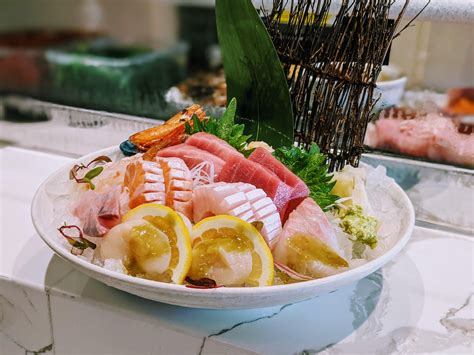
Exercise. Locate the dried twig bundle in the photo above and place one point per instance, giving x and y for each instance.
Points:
(332, 76)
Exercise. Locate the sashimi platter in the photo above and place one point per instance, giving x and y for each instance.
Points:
(196, 213)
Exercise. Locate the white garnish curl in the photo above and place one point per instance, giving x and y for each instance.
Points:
(203, 173)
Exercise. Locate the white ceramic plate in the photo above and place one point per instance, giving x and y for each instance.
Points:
(219, 298)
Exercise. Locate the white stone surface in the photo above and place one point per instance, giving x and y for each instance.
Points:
(25, 323)
(420, 303)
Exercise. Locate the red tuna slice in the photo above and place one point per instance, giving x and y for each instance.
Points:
(213, 145)
(239, 169)
(192, 156)
(269, 162)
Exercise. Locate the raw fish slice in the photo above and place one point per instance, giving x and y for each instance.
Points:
(238, 169)
(247, 216)
(150, 187)
(247, 188)
(151, 167)
(232, 201)
(310, 218)
(214, 145)
(192, 156)
(265, 211)
(431, 136)
(271, 228)
(452, 146)
(144, 182)
(261, 203)
(181, 185)
(241, 210)
(113, 173)
(207, 199)
(173, 164)
(217, 199)
(269, 162)
(109, 211)
(185, 208)
(153, 178)
(98, 211)
(233, 268)
(177, 179)
(412, 137)
(182, 196)
(175, 174)
(318, 253)
(256, 195)
(147, 197)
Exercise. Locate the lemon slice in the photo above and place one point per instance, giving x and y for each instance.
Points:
(230, 251)
(163, 240)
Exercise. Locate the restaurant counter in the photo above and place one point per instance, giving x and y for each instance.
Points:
(421, 302)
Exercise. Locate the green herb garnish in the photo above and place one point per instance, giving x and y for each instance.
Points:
(92, 174)
(310, 166)
(87, 179)
(225, 128)
(75, 238)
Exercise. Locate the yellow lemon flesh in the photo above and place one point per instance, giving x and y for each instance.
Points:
(231, 252)
(161, 248)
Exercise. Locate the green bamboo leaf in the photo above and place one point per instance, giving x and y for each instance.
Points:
(254, 73)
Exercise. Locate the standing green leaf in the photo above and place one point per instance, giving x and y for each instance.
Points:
(254, 73)
(227, 119)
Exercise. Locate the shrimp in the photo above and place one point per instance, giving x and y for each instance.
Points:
(172, 132)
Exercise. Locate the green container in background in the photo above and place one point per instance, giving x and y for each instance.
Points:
(197, 27)
(104, 75)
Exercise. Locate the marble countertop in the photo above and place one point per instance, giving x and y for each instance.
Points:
(422, 302)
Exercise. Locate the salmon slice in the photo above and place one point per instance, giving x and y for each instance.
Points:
(144, 181)
(239, 169)
(178, 185)
(192, 156)
(244, 201)
(268, 161)
(213, 145)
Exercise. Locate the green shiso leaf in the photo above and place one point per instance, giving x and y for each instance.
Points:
(254, 73)
(310, 166)
(226, 123)
(225, 128)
